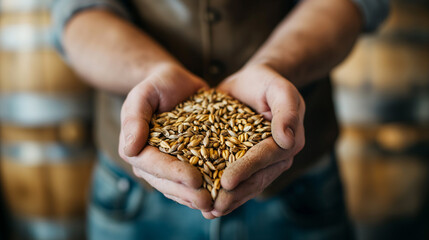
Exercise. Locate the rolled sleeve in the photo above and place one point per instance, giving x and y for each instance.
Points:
(64, 10)
(373, 11)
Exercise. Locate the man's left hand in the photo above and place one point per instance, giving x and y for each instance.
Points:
(277, 99)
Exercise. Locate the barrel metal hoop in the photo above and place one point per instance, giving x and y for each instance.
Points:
(365, 106)
(24, 37)
(37, 109)
(24, 5)
(37, 153)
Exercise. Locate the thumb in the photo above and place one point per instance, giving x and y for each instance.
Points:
(287, 112)
(136, 113)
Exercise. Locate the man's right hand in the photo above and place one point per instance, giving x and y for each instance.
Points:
(165, 87)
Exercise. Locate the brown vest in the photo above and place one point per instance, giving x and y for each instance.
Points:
(214, 39)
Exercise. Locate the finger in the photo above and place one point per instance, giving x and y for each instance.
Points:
(287, 109)
(273, 96)
(227, 201)
(254, 94)
(299, 135)
(157, 92)
(258, 157)
(174, 87)
(162, 165)
(195, 198)
(208, 215)
(136, 112)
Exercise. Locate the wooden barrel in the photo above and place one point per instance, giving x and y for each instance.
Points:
(382, 100)
(385, 175)
(45, 174)
(45, 131)
(36, 87)
(385, 79)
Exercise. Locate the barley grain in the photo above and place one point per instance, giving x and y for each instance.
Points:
(210, 130)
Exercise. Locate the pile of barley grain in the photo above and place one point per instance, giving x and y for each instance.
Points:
(210, 130)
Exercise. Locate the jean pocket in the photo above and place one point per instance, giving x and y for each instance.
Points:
(115, 195)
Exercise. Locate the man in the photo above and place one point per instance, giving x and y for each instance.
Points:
(274, 56)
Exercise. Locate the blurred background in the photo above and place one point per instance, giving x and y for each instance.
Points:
(45, 132)
(382, 101)
(381, 96)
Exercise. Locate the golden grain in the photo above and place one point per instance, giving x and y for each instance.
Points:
(210, 130)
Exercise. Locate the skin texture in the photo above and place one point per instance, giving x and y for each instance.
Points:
(316, 36)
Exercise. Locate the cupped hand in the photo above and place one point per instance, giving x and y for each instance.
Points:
(161, 91)
(277, 100)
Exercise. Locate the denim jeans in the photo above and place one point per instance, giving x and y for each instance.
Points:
(312, 207)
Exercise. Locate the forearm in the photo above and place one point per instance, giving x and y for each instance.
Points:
(312, 40)
(111, 53)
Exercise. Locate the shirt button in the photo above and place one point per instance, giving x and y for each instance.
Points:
(212, 16)
(215, 68)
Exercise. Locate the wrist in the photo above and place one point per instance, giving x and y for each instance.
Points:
(270, 64)
(287, 66)
(144, 70)
(261, 66)
(165, 66)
